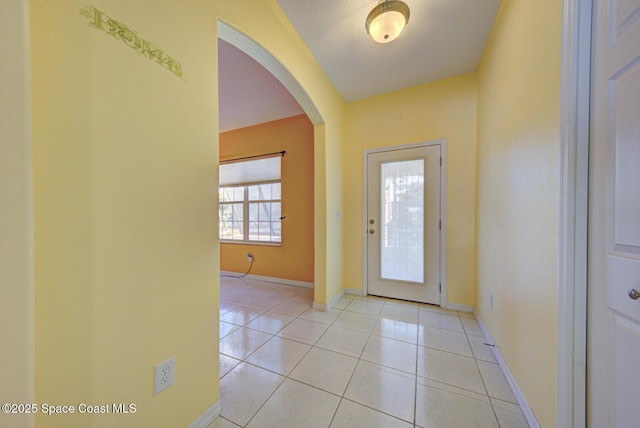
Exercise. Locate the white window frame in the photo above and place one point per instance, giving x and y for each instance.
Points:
(244, 174)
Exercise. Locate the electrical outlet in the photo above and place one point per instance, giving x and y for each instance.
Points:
(249, 257)
(491, 301)
(164, 373)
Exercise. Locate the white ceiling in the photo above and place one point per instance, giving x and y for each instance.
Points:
(247, 93)
(444, 38)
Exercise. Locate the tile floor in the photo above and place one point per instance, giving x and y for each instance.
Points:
(368, 362)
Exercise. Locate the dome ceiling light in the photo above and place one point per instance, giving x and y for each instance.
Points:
(386, 20)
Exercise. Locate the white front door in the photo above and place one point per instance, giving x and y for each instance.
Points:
(614, 217)
(403, 223)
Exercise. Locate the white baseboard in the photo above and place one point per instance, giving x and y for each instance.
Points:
(331, 304)
(522, 402)
(270, 279)
(209, 415)
(320, 307)
(328, 306)
(459, 307)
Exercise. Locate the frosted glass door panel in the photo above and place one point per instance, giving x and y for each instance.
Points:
(402, 216)
(403, 223)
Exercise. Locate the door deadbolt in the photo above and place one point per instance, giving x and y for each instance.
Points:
(371, 221)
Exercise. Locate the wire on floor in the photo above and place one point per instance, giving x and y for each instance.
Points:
(243, 275)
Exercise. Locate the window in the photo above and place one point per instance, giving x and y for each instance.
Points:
(250, 196)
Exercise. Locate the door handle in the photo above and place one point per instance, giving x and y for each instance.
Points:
(633, 294)
(371, 231)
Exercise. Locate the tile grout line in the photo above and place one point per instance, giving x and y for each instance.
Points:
(378, 317)
(493, 409)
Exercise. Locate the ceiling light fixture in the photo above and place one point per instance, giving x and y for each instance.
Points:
(386, 20)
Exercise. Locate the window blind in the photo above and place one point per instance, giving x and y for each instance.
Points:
(250, 171)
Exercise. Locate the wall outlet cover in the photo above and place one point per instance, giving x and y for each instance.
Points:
(164, 375)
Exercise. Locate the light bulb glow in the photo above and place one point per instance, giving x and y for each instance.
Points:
(386, 21)
(387, 27)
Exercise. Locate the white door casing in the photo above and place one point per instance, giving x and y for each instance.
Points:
(403, 261)
(614, 217)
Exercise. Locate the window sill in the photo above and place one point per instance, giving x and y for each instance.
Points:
(258, 243)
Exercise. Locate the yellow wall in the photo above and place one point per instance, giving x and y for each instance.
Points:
(517, 193)
(293, 259)
(125, 184)
(443, 109)
(16, 216)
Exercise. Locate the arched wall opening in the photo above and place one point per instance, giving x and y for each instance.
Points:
(249, 46)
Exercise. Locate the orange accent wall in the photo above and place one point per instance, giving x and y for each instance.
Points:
(293, 259)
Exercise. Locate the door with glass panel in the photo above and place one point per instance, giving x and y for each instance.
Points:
(403, 224)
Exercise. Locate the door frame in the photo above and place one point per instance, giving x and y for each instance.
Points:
(443, 210)
(571, 399)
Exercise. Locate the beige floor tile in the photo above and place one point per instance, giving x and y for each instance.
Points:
(240, 315)
(326, 370)
(370, 298)
(296, 405)
(304, 295)
(445, 340)
(244, 390)
(227, 328)
(227, 363)
(391, 353)
(351, 414)
(225, 306)
(356, 321)
(438, 309)
(468, 315)
(409, 353)
(452, 369)
(400, 313)
(439, 320)
(343, 302)
(481, 350)
(398, 330)
(472, 327)
(404, 303)
(509, 415)
(292, 308)
(368, 307)
(279, 355)
(303, 331)
(242, 342)
(253, 299)
(270, 322)
(496, 383)
(387, 390)
(343, 340)
(221, 422)
(325, 317)
(441, 406)
(284, 291)
(233, 284)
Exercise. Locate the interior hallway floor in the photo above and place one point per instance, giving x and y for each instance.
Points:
(368, 362)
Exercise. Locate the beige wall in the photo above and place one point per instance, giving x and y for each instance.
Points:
(443, 109)
(293, 257)
(16, 216)
(518, 192)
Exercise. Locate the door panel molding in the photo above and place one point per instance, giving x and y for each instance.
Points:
(443, 199)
